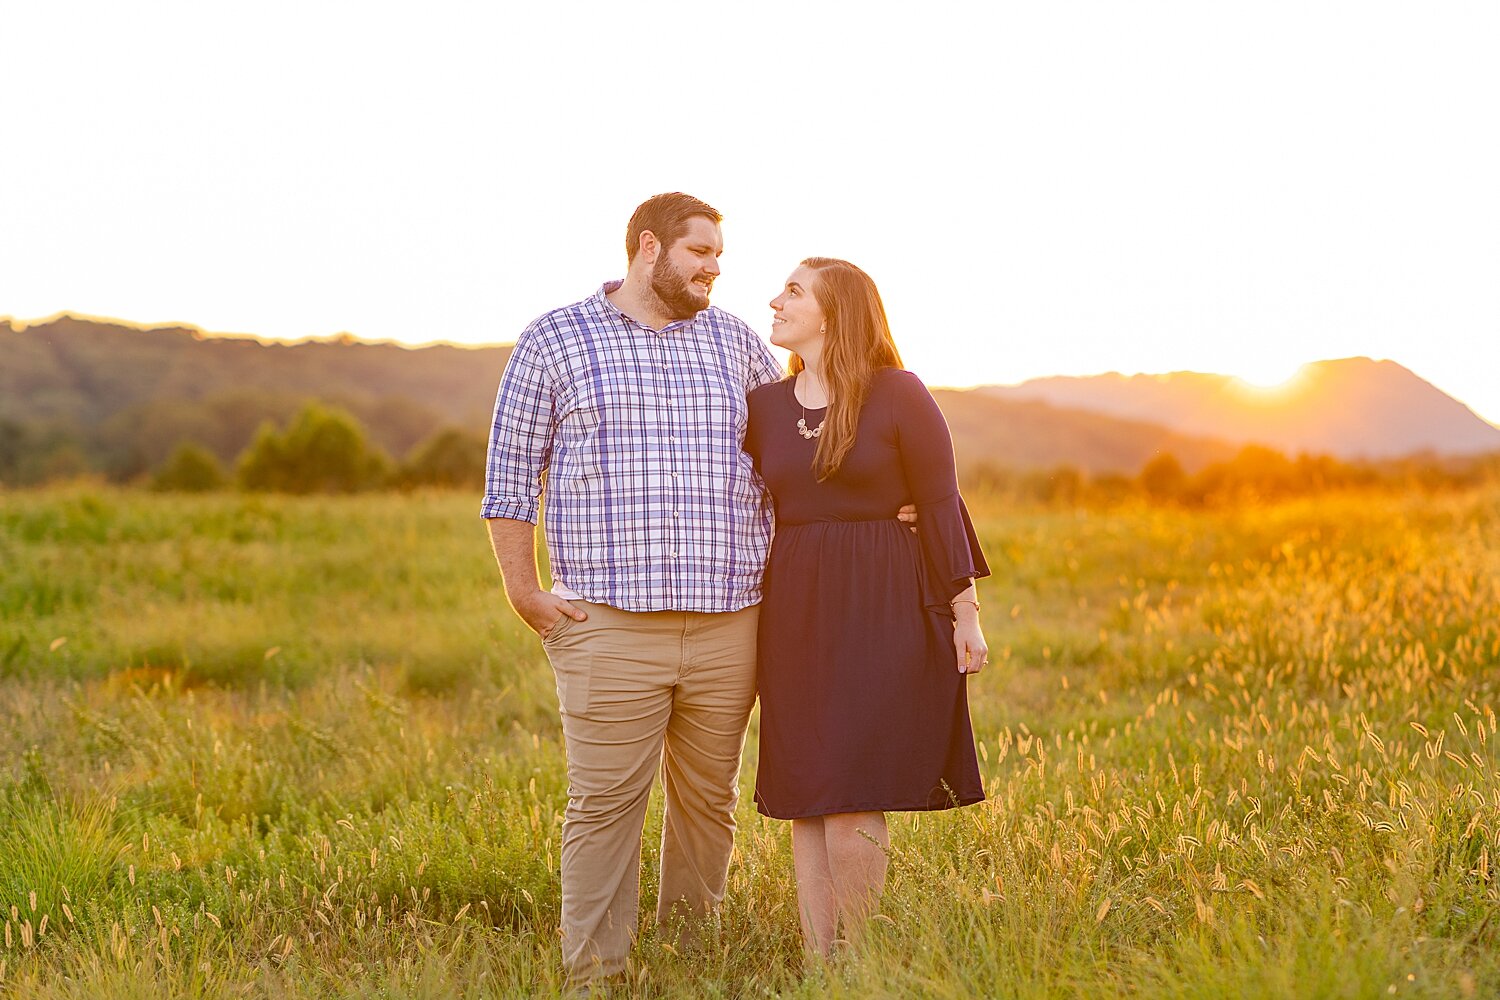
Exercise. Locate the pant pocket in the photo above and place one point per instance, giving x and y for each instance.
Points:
(571, 663)
(557, 628)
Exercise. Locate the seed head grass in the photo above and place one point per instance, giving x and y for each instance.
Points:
(300, 747)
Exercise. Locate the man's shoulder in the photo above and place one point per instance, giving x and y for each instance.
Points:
(573, 313)
(566, 321)
(726, 320)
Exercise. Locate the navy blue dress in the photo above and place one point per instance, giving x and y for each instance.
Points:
(862, 707)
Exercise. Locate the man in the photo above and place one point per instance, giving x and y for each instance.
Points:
(633, 404)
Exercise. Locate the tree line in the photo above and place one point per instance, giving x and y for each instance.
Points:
(324, 448)
(1256, 474)
(319, 449)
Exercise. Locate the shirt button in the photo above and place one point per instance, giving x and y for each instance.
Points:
(674, 513)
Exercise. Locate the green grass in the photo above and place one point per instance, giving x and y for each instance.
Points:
(300, 747)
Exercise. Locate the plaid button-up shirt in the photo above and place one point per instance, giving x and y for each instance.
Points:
(651, 503)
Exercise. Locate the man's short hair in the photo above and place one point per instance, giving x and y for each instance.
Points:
(667, 216)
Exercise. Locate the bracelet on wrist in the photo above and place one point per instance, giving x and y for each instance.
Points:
(958, 602)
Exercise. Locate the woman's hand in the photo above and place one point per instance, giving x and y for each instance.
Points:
(968, 641)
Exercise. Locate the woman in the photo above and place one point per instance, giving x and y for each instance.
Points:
(867, 632)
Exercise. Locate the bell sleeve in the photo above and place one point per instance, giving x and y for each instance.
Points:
(949, 546)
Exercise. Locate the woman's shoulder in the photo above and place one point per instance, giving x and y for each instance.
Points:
(763, 394)
(898, 383)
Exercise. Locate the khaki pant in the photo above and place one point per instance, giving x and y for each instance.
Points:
(635, 689)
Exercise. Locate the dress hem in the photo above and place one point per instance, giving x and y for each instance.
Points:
(957, 801)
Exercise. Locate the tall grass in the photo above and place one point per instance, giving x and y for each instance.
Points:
(299, 747)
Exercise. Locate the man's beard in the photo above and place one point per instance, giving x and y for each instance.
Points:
(675, 291)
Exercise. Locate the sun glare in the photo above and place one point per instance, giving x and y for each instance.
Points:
(1270, 378)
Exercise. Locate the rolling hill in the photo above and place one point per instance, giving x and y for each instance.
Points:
(126, 395)
(1353, 408)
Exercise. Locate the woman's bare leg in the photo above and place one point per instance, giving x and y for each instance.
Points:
(815, 893)
(857, 846)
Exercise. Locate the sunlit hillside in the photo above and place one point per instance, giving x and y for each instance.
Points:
(1352, 408)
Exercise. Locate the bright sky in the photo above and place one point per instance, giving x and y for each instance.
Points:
(1038, 188)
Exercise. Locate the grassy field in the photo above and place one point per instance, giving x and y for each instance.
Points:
(300, 747)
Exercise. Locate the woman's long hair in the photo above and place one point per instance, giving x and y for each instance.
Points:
(858, 341)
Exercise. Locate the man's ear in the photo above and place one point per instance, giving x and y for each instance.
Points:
(648, 246)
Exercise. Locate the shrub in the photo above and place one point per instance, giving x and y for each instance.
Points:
(1163, 477)
(191, 468)
(324, 450)
(452, 457)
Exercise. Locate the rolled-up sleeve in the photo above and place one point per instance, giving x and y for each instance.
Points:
(521, 434)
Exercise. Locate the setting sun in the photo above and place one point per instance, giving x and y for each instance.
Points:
(1271, 377)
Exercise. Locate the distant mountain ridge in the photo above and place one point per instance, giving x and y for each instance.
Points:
(129, 394)
(1030, 434)
(1353, 408)
(69, 367)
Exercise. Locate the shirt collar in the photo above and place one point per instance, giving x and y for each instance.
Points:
(601, 301)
